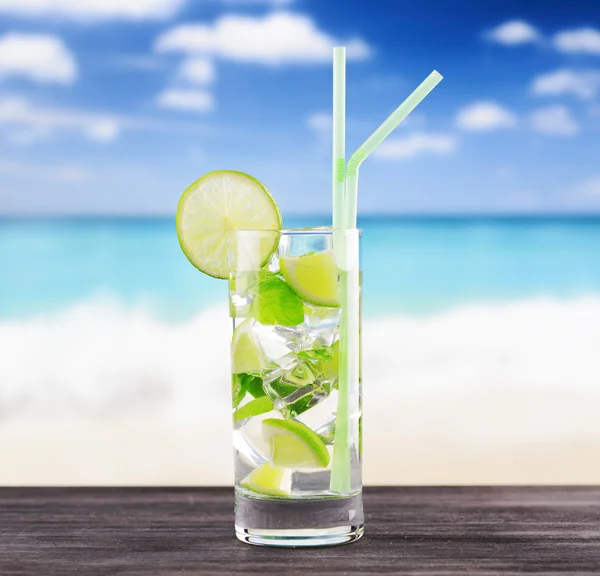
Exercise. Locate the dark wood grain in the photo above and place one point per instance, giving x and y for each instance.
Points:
(168, 531)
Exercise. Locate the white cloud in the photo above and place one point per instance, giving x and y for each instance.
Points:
(514, 33)
(187, 100)
(580, 41)
(15, 111)
(92, 10)
(197, 70)
(554, 121)
(105, 130)
(416, 144)
(586, 189)
(485, 117)
(583, 84)
(320, 122)
(27, 123)
(38, 57)
(69, 173)
(276, 38)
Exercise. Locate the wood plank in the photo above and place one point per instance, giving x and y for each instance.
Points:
(167, 531)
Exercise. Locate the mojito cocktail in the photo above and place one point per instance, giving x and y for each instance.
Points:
(295, 353)
(295, 379)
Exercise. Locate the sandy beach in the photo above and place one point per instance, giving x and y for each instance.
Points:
(144, 454)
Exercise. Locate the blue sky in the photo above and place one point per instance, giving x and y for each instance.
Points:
(113, 107)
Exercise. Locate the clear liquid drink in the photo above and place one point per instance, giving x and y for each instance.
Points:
(296, 399)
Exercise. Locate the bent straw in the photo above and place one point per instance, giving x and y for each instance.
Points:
(339, 134)
(347, 257)
(373, 141)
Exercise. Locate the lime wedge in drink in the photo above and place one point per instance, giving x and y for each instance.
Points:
(266, 479)
(314, 277)
(294, 445)
(255, 407)
(217, 203)
(247, 354)
(331, 365)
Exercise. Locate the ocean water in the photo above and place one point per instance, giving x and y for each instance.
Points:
(480, 353)
(411, 266)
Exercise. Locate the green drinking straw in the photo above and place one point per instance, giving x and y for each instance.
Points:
(339, 134)
(346, 247)
(340, 479)
(373, 141)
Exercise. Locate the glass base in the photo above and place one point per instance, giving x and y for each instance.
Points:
(300, 538)
(298, 522)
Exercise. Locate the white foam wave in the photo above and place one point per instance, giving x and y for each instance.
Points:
(100, 360)
(516, 372)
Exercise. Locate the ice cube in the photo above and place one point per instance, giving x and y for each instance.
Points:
(321, 325)
(326, 431)
(295, 386)
(295, 336)
(248, 441)
(321, 418)
(275, 344)
(320, 329)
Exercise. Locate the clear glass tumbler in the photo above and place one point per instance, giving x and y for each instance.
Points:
(295, 305)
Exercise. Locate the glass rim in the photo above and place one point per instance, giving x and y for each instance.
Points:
(322, 230)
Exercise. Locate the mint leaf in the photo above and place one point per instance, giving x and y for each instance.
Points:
(247, 382)
(274, 302)
(253, 384)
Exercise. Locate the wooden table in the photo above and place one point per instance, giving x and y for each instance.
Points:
(167, 531)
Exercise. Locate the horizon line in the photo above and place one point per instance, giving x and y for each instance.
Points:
(366, 216)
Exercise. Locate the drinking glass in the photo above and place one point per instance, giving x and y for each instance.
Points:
(296, 386)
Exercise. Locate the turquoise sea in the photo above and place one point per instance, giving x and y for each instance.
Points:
(411, 265)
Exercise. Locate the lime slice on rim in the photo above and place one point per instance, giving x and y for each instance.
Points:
(294, 445)
(314, 277)
(247, 354)
(217, 203)
(266, 479)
